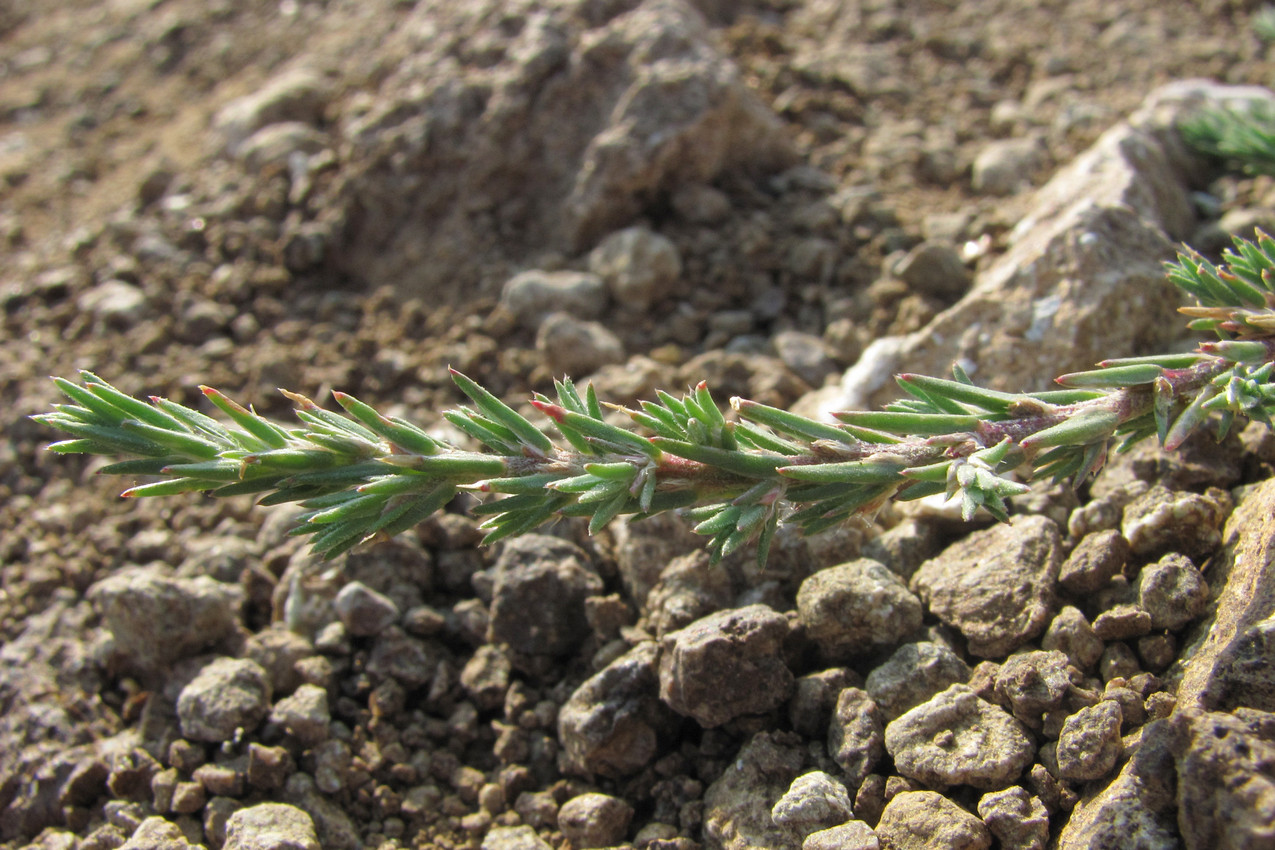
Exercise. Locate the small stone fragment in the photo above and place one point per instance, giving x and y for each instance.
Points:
(485, 677)
(1005, 166)
(856, 608)
(924, 820)
(958, 739)
(638, 265)
(912, 674)
(726, 665)
(814, 697)
(227, 694)
(1096, 559)
(1172, 591)
(594, 820)
(513, 838)
(156, 833)
(612, 724)
(852, 835)
(856, 734)
(537, 605)
(1090, 743)
(157, 620)
(271, 826)
(1121, 622)
(1033, 684)
(571, 346)
(304, 714)
(737, 805)
(996, 586)
(364, 611)
(813, 802)
(805, 354)
(934, 268)
(1071, 634)
(1163, 520)
(532, 295)
(1017, 819)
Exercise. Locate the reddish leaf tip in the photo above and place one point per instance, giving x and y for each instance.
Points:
(556, 412)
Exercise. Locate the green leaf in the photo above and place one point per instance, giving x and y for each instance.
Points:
(269, 434)
(529, 435)
(923, 424)
(848, 472)
(746, 464)
(1085, 427)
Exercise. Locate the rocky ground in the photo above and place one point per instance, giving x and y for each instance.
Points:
(768, 195)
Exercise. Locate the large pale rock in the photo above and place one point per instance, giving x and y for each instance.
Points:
(1082, 278)
(508, 128)
(1229, 656)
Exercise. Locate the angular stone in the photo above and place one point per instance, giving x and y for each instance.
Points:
(856, 735)
(856, 608)
(912, 674)
(738, 803)
(614, 721)
(537, 605)
(726, 665)
(997, 585)
(227, 694)
(813, 802)
(958, 739)
(924, 820)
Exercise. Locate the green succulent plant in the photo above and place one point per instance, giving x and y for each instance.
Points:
(360, 474)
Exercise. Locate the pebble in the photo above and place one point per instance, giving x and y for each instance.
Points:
(814, 697)
(571, 346)
(268, 767)
(1117, 662)
(227, 694)
(513, 838)
(1090, 743)
(532, 295)
(537, 605)
(1005, 166)
(1122, 621)
(912, 674)
(1163, 520)
(363, 611)
(813, 802)
(856, 734)
(397, 655)
(594, 820)
(271, 826)
(958, 739)
(854, 835)
(114, 303)
(279, 650)
(1172, 591)
(1070, 633)
(612, 724)
(157, 620)
(156, 833)
(638, 265)
(1033, 684)
(1097, 558)
(924, 820)
(935, 268)
(856, 608)
(737, 804)
(700, 204)
(725, 665)
(304, 714)
(995, 586)
(1017, 819)
(806, 355)
(295, 95)
(485, 676)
